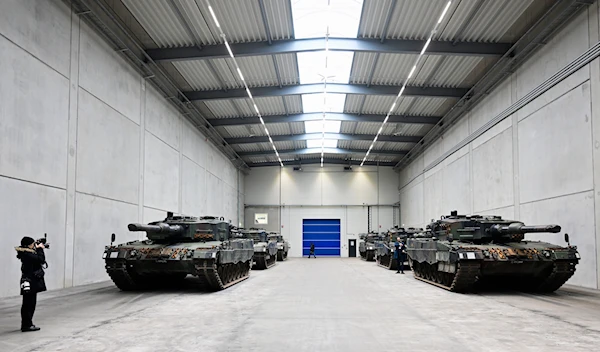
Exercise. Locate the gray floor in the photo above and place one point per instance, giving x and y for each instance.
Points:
(308, 305)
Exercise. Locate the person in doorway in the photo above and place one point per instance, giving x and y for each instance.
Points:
(33, 260)
(312, 250)
(400, 254)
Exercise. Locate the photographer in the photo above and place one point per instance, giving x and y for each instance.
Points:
(31, 254)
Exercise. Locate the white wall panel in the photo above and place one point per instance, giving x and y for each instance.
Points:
(162, 120)
(194, 145)
(434, 195)
(95, 219)
(108, 151)
(215, 164)
(456, 187)
(34, 102)
(42, 28)
(493, 173)
(214, 199)
(161, 175)
(107, 76)
(492, 105)
(28, 209)
(346, 188)
(388, 186)
(569, 43)
(193, 194)
(301, 187)
(262, 186)
(357, 220)
(555, 153)
(412, 204)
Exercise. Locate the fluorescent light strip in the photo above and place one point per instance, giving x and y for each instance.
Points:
(412, 71)
(444, 13)
(214, 17)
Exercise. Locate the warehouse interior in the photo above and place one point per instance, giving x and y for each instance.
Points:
(285, 114)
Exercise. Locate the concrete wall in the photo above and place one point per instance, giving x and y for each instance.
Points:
(327, 193)
(86, 146)
(540, 165)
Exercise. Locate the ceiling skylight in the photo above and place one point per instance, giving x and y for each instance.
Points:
(326, 143)
(317, 126)
(314, 102)
(311, 66)
(311, 18)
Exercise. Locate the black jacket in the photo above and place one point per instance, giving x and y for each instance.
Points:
(32, 261)
(312, 248)
(400, 252)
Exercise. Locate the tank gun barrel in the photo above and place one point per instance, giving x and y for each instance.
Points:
(159, 228)
(518, 228)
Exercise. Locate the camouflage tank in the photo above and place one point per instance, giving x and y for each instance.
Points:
(461, 251)
(178, 246)
(283, 246)
(384, 254)
(366, 248)
(265, 251)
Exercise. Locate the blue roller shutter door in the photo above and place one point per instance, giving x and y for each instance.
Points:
(324, 233)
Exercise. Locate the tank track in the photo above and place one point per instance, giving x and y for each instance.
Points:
(387, 262)
(462, 281)
(129, 280)
(362, 255)
(281, 256)
(219, 277)
(561, 273)
(261, 263)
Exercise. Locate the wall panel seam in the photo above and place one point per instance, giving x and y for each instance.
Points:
(34, 56)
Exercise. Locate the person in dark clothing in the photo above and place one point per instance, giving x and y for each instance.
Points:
(33, 261)
(312, 250)
(400, 254)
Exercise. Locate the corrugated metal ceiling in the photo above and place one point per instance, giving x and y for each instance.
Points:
(414, 19)
(241, 20)
(392, 69)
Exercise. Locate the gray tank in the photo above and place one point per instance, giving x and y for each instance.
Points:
(265, 251)
(176, 247)
(283, 246)
(385, 248)
(461, 252)
(367, 246)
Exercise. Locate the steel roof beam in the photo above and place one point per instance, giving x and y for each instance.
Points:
(329, 161)
(392, 46)
(326, 150)
(331, 88)
(317, 116)
(337, 136)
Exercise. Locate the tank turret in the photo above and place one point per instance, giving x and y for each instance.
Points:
(484, 228)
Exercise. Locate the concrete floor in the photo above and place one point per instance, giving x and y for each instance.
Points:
(307, 305)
